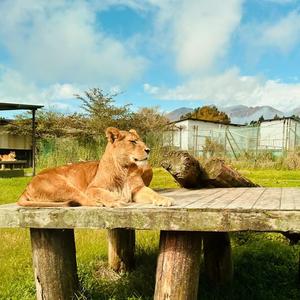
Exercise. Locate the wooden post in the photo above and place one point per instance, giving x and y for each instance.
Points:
(217, 257)
(178, 265)
(121, 247)
(33, 143)
(54, 263)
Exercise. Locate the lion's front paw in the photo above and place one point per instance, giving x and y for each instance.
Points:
(163, 201)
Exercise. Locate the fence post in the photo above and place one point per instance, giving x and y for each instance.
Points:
(256, 145)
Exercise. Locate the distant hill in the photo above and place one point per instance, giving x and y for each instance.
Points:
(239, 114)
(177, 113)
(295, 111)
(242, 114)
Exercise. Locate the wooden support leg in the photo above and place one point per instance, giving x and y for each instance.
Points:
(121, 247)
(54, 263)
(178, 266)
(217, 257)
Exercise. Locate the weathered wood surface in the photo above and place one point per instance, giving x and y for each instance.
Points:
(178, 265)
(54, 263)
(121, 247)
(227, 209)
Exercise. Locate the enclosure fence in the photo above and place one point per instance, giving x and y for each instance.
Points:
(276, 139)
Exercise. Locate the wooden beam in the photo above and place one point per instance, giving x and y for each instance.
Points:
(193, 210)
(178, 266)
(54, 263)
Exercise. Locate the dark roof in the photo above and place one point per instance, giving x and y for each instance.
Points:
(207, 121)
(281, 119)
(16, 106)
(5, 121)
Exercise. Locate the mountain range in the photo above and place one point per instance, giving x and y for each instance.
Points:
(240, 114)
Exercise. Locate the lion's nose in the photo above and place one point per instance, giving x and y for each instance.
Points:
(147, 150)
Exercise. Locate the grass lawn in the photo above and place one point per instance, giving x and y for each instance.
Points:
(265, 265)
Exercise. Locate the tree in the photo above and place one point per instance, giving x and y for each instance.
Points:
(49, 124)
(261, 119)
(149, 120)
(276, 117)
(208, 113)
(296, 117)
(102, 111)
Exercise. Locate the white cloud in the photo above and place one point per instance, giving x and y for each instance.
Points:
(15, 89)
(59, 41)
(197, 32)
(231, 88)
(283, 35)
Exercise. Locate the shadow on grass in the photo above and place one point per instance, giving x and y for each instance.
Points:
(264, 269)
(104, 283)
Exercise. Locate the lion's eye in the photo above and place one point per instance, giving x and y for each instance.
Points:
(133, 142)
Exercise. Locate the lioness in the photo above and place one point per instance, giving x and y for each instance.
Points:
(11, 156)
(121, 176)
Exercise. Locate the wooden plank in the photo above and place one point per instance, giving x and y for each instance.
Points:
(288, 199)
(197, 197)
(297, 198)
(13, 162)
(246, 200)
(227, 198)
(203, 202)
(270, 200)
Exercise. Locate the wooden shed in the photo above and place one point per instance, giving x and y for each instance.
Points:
(22, 145)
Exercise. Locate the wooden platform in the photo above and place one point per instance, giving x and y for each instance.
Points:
(198, 217)
(12, 164)
(233, 209)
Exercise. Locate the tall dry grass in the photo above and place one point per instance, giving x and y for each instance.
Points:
(59, 151)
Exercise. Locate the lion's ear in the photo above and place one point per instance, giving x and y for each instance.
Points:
(113, 134)
(133, 131)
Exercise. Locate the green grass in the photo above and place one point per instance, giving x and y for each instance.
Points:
(265, 265)
(275, 178)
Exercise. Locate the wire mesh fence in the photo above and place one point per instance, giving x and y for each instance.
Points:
(276, 137)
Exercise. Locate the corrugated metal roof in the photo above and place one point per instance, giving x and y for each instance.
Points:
(281, 119)
(207, 121)
(16, 106)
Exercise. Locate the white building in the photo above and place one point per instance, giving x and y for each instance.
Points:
(280, 134)
(273, 135)
(191, 134)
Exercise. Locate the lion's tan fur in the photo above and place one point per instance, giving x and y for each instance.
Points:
(121, 176)
(11, 156)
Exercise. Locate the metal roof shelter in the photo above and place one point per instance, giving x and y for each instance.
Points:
(33, 108)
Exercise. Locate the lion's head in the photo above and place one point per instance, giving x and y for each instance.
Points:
(126, 147)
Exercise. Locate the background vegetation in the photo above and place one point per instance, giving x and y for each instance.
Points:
(208, 113)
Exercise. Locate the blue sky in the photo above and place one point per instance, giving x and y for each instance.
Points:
(169, 53)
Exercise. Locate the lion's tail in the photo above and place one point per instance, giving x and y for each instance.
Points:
(24, 201)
